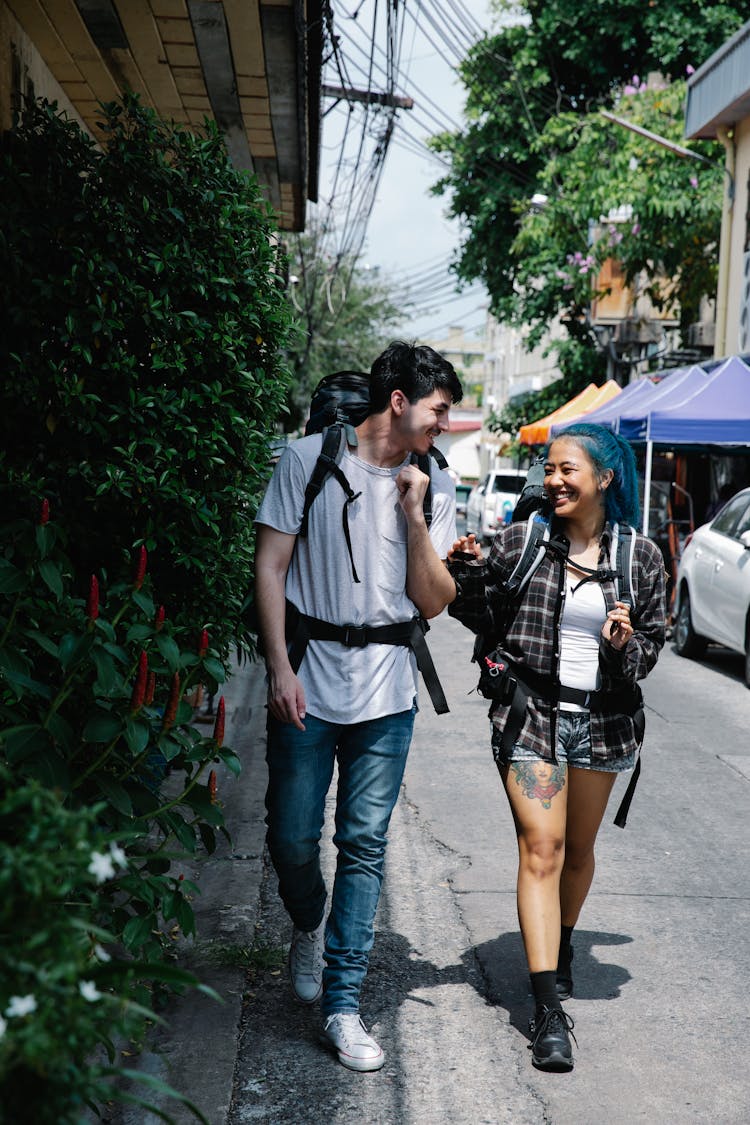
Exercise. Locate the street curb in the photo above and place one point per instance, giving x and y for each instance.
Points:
(195, 1051)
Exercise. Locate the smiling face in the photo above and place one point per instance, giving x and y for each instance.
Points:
(571, 481)
(420, 423)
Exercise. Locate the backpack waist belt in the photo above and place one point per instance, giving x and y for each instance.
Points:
(627, 701)
(301, 629)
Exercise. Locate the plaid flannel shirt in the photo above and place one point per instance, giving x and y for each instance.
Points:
(527, 632)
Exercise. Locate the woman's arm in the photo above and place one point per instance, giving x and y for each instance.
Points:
(635, 659)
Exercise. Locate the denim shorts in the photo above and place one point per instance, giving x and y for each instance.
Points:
(573, 747)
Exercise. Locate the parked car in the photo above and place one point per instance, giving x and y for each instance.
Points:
(712, 602)
(491, 502)
(462, 496)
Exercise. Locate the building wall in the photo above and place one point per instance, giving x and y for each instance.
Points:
(22, 71)
(739, 244)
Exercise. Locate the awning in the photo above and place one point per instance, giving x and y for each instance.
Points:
(590, 398)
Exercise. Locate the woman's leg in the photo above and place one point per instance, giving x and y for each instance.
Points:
(588, 793)
(537, 792)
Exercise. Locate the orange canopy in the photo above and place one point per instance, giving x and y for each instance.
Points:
(591, 397)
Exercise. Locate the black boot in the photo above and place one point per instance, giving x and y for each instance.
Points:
(565, 973)
(551, 1030)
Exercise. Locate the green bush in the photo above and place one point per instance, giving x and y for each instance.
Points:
(64, 997)
(93, 713)
(140, 352)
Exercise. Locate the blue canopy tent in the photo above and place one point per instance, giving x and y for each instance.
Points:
(608, 414)
(675, 388)
(715, 412)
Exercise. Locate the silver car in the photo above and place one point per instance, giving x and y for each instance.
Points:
(712, 601)
(492, 501)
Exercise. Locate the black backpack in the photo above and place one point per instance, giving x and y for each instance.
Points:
(339, 403)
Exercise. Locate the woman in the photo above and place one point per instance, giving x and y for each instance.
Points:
(570, 718)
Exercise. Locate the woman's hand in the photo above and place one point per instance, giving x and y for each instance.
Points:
(465, 549)
(617, 629)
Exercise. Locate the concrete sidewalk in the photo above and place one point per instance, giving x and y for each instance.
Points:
(195, 1051)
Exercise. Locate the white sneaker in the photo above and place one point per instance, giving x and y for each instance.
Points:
(306, 964)
(345, 1034)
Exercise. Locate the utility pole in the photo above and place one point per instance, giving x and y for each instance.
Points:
(370, 97)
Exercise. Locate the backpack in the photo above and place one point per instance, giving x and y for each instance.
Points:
(533, 506)
(339, 403)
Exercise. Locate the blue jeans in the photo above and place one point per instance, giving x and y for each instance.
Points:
(371, 759)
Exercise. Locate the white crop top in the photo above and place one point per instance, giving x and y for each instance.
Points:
(584, 612)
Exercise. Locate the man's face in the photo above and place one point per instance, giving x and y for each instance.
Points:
(421, 422)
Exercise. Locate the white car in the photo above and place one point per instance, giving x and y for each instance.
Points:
(712, 602)
(491, 502)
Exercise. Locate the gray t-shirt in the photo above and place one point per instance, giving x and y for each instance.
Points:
(350, 685)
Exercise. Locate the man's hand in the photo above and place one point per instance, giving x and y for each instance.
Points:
(286, 697)
(412, 485)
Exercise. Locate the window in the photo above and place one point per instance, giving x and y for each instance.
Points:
(729, 517)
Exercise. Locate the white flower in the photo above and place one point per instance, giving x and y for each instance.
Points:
(118, 855)
(89, 991)
(101, 953)
(101, 866)
(3, 1025)
(21, 1005)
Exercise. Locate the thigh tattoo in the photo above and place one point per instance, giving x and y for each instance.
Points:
(540, 781)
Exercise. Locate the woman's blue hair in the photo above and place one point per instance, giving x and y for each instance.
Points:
(608, 450)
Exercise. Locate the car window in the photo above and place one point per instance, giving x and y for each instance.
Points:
(743, 524)
(507, 482)
(730, 515)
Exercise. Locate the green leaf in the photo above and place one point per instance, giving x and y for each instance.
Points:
(137, 735)
(11, 580)
(230, 759)
(102, 726)
(144, 602)
(23, 740)
(169, 650)
(215, 669)
(208, 837)
(138, 632)
(51, 576)
(138, 930)
(107, 676)
(114, 793)
(44, 642)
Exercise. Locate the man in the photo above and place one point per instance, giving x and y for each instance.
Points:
(348, 703)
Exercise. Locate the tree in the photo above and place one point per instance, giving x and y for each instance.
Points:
(613, 195)
(345, 317)
(531, 89)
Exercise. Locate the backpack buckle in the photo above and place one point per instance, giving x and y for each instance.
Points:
(355, 636)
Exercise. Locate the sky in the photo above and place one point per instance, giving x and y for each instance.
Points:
(408, 231)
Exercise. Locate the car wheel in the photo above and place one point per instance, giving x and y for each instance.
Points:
(747, 654)
(686, 641)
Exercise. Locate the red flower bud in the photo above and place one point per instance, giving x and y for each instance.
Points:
(212, 786)
(140, 570)
(170, 713)
(139, 687)
(159, 619)
(44, 513)
(203, 643)
(219, 724)
(92, 605)
(150, 689)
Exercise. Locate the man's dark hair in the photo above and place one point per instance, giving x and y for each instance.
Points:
(414, 369)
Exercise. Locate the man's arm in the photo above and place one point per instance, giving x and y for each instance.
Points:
(428, 583)
(273, 553)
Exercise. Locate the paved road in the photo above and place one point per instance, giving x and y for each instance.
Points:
(662, 966)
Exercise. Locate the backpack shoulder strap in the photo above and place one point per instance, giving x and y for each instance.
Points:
(422, 461)
(332, 450)
(621, 556)
(534, 547)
